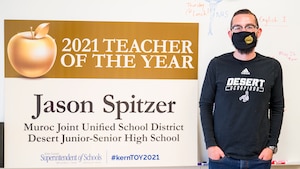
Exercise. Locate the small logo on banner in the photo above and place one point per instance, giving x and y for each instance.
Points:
(32, 53)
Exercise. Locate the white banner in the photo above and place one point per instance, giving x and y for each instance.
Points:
(100, 123)
(100, 97)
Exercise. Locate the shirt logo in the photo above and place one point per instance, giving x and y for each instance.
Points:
(245, 84)
(245, 72)
(244, 98)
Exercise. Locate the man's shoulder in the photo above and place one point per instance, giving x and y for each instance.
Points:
(223, 57)
(267, 58)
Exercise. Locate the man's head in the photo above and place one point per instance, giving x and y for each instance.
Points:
(244, 31)
(246, 12)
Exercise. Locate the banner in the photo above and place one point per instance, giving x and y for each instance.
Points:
(93, 94)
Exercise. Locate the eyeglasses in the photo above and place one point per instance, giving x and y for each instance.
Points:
(248, 28)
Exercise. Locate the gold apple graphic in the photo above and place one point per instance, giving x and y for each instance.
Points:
(32, 53)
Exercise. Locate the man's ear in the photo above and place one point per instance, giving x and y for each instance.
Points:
(258, 32)
(229, 34)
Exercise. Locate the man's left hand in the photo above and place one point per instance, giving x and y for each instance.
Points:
(266, 154)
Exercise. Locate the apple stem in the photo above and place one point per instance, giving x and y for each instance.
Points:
(32, 34)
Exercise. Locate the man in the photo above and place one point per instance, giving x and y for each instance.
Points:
(241, 103)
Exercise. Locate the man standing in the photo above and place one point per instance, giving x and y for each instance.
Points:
(242, 102)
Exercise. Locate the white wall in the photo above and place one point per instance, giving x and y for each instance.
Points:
(278, 19)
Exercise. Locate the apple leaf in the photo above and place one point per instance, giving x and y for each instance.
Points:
(42, 30)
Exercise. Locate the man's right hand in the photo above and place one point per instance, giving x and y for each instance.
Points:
(215, 153)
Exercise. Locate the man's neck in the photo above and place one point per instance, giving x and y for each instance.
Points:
(244, 57)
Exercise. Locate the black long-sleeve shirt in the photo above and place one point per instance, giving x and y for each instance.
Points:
(241, 104)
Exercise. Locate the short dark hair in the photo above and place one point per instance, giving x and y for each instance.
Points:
(244, 11)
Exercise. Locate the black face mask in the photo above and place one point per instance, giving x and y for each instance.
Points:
(244, 42)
